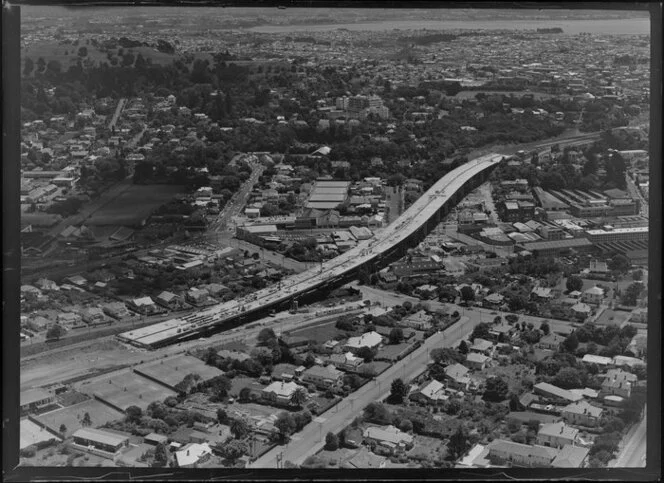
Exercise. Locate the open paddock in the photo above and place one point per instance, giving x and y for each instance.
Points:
(319, 333)
(127, 389)
(133, 205)
(31, 433)
(72, 416)
(173, 370)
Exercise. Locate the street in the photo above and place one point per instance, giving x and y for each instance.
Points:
(633, 447)
(312, 438)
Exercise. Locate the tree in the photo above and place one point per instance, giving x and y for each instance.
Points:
(568, 378)
(467, 294)
(571, 343)
(377, 413)
(233, 450)
(398, 391)
(55, 332)
(265, 335)
(480, 331)
(544, 327)
(573, 283)
(446, 356)
(222, 416)
(245, 394)
(619, 263)
(458, 443)
(28, 66)
(83, 51)
(299, 397)
(63, 429)
(496, 389)
(86, 421)
(134, 414)
(285, 424)
(396, 335)
(365, 353)
(160, 455)
(331, 441)
(239, 428)
(637, 275)
(463, 347)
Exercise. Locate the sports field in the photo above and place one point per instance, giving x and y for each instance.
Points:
(173, 370)
(133, 205)
(127, 389)
(72, 416)
(31, 433)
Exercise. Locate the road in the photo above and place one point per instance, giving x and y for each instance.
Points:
(116, 114)
(635, 192)
(312, 438)
(632, 453)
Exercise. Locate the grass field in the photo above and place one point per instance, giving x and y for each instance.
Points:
(133, 205)
(127, 389)
(68, 54)
(173, 370)
(71, 416)
(31, 433)
(320, 333)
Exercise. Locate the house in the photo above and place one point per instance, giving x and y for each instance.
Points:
(477, 361)
(100, 440)
(196, 296)
(581, 310)
(571, 457)
(294, 341)
(369, 339)
(346, 362)
(551, 341)
(426, 291)
(280, 392)
(284, 372)
(322, 377)
(389, 437)
(35, 399)
(432, 392)
(482, 346)
(69, 318)
(602, 362)
(593, 296)
(154, 439)
(493, 300)
(93, 315)
(616, 386)
(365, 459)
(419, 320)
(582, 413)
(556, 435)
(555, 393)
(117, 310)
(192, 453)
(456, 377)
(143, 305)
(168, 300)
(541, 293)
(502, 452)
(501, 332)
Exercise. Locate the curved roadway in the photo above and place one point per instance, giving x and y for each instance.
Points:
(408, 223)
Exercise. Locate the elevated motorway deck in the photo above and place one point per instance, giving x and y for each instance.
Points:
(410, 228)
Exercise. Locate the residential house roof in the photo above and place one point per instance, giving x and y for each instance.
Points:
(557, 391)
(433, 390)
(191, 453)
(328, 372)
(524, 450)
(365, 459)
(282, 389)
(100, 436)
(389, 434)
(368, 339)
(570, 457)
(475, 357)
(599, 360)
(582, 407)
(456, 371)
(481, 345)
(559, 429)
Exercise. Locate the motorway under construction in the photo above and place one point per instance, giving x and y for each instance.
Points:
(372, 254)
